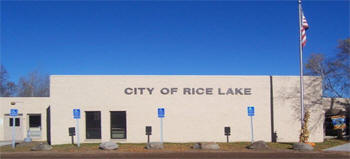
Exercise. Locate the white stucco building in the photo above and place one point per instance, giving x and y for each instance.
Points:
(197, 108)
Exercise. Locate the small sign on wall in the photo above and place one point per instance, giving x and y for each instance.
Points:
(76, 113)
(13, 112)
(251, 111)
(161, 112)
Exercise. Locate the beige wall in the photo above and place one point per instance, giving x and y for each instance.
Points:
(25, 106)
(189, 118)
(287, 107)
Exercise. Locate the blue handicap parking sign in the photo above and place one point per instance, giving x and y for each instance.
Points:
(251, 111)
(13, 112)
(76, 113)
(161, 112)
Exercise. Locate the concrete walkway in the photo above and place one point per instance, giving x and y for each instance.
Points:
(4, 143)
(344, 148)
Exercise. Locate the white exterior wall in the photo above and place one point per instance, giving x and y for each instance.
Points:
(189, 118)
(25, 106)
(286, 92)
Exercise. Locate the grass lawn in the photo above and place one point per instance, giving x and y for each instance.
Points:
(168, 147)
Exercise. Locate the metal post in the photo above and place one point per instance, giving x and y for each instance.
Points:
(301, 66)
(148, 139)
(251, 128)
(227, 139)
(13, 133)
(77, 128)
(161, 130)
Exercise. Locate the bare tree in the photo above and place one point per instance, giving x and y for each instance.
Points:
(335, 74)
(34, 84)
(335, 71)
(7, 88)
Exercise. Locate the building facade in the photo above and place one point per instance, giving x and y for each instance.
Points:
(197, 108)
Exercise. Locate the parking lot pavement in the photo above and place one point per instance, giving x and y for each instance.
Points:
(173, 155)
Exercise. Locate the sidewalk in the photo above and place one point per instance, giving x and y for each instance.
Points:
(3, 143)
(344, 148)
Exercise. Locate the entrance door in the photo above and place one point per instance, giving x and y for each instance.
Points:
(18, 127)
(93, 124)
(35, 125)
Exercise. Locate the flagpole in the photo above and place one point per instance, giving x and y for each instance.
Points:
(301, 66)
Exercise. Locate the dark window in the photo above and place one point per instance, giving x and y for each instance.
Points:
(34, 121)
(118, 125)
(17, 121)
(93, 124)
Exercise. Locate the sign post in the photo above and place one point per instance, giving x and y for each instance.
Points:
(161, 115)
(227, 132)
(148, 133)
(13, 114)
(76, 116)
(251, 114)
(71, 132)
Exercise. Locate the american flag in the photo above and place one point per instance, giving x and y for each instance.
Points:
(304, 27)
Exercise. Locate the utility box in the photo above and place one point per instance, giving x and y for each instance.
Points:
(227, 131)
(274, 137)
(148, 130)
(71, 131)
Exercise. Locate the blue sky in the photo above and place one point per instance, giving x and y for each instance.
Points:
(165, 37)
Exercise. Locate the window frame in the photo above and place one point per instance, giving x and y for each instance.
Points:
(126, 130)
(17, 122)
